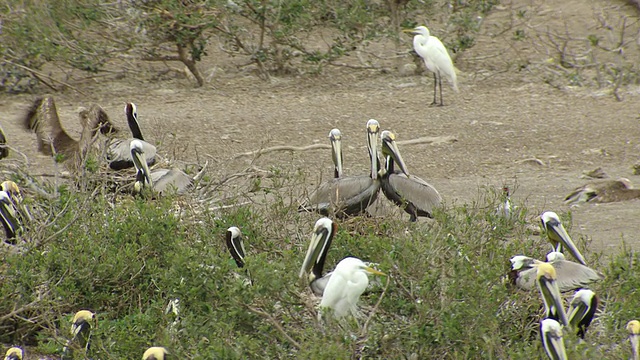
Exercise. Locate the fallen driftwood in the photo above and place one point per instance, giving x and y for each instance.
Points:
(422, 140)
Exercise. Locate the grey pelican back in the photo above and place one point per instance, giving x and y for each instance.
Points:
(414, 195)
(119, 150)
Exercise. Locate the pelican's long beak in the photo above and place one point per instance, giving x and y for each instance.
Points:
(551, 333)
(8, 216)
(548, 286)
(559, 237)
(373, 129)
(321, 239)
(235, 245)
(390, 148)
(336, 147)
(140, 162)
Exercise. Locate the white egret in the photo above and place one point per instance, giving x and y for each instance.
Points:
(348, 281)
(552, 342)
(582, 309)
(155, 353)
(435, 57)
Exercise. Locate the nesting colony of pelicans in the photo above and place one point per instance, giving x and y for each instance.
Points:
(337, 291)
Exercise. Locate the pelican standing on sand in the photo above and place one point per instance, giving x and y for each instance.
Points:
(351, 195)
(546, 280)
(582, 310)
(119, 150)
(435, 57)
(348, 281)
(323, 233)
(558, 235)
(552, 342)
(569, 275)
(414, 195)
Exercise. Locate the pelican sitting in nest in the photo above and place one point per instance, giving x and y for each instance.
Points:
(162, 180)
(558, 235)
(570, 275)
(119, 150)
(414, 195)
(604, 191)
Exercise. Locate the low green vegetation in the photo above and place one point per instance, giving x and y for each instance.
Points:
(446, 296)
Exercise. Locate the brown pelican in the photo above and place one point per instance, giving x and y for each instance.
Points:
(42, 118)
(12, 189)
(235, 245)
(348, 281)
(414, 195)
(558, 235)
(435, 57)
(8, 217)
(582, 309)
(546, 280)
(347, 196)
(14, 353)
(4, 150)
(161, 180)
(119, 150)
(552, 342)
(633, 327)
(604, 191)
(82, 322)
(321, 238)
(570, 275)
(155, 353)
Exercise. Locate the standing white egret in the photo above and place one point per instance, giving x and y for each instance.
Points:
(435, 57)
(551, 334)
(348, 281)
(633, 327)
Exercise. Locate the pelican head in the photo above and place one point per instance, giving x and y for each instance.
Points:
(633, 327)
(12, 189)
(14, 353)
(140, 161)
(390, 150)
(321, 238)
(8, 215)
(521, 262)
(155, 353)
(82, 321)
(555, 256)
(558, 235)
(552, 342)
(235, 245)
(335, 136)
(582, 310)
(546, 280)
(373, 129)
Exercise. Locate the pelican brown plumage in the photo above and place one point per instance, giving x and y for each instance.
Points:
(552, 342)
(351, 195)
(235, 245)
(161, 180)
(582, 310)
(14, 353)
(155, 353)
(603, 191)
(558, 236)
(42, 118)
(119, 150)
(633, 327)
(569, 275)
(548, 286)
(414, 195)
(8, 218)
(4, 149)
(82, 323)
(321, 239)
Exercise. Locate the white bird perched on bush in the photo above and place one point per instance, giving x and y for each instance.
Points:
(348, 281)
(435, 57)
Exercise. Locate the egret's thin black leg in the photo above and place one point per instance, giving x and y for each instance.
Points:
(435, 88)
(440, 82)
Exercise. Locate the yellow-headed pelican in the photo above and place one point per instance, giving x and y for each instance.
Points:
(552, 342)
(546, 280)
(155, 353)
(570, 275)
(42, 118)
(414, 195)
(235, 245)
(321, 238)
(633, 327)
(12, 189)
(348, 281)
(603, 191)
(4, 150)
(435, 57)
(558, 235)
(351, 195)
(119, 150)
(81, 325)
(8, 217)
(582, 309)
(14, 353)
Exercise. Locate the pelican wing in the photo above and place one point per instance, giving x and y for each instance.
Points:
(526, 279)
(42, 118)
(119, 153)
(414, 190)
(571, 275)
(166, 179)
(349, 195)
